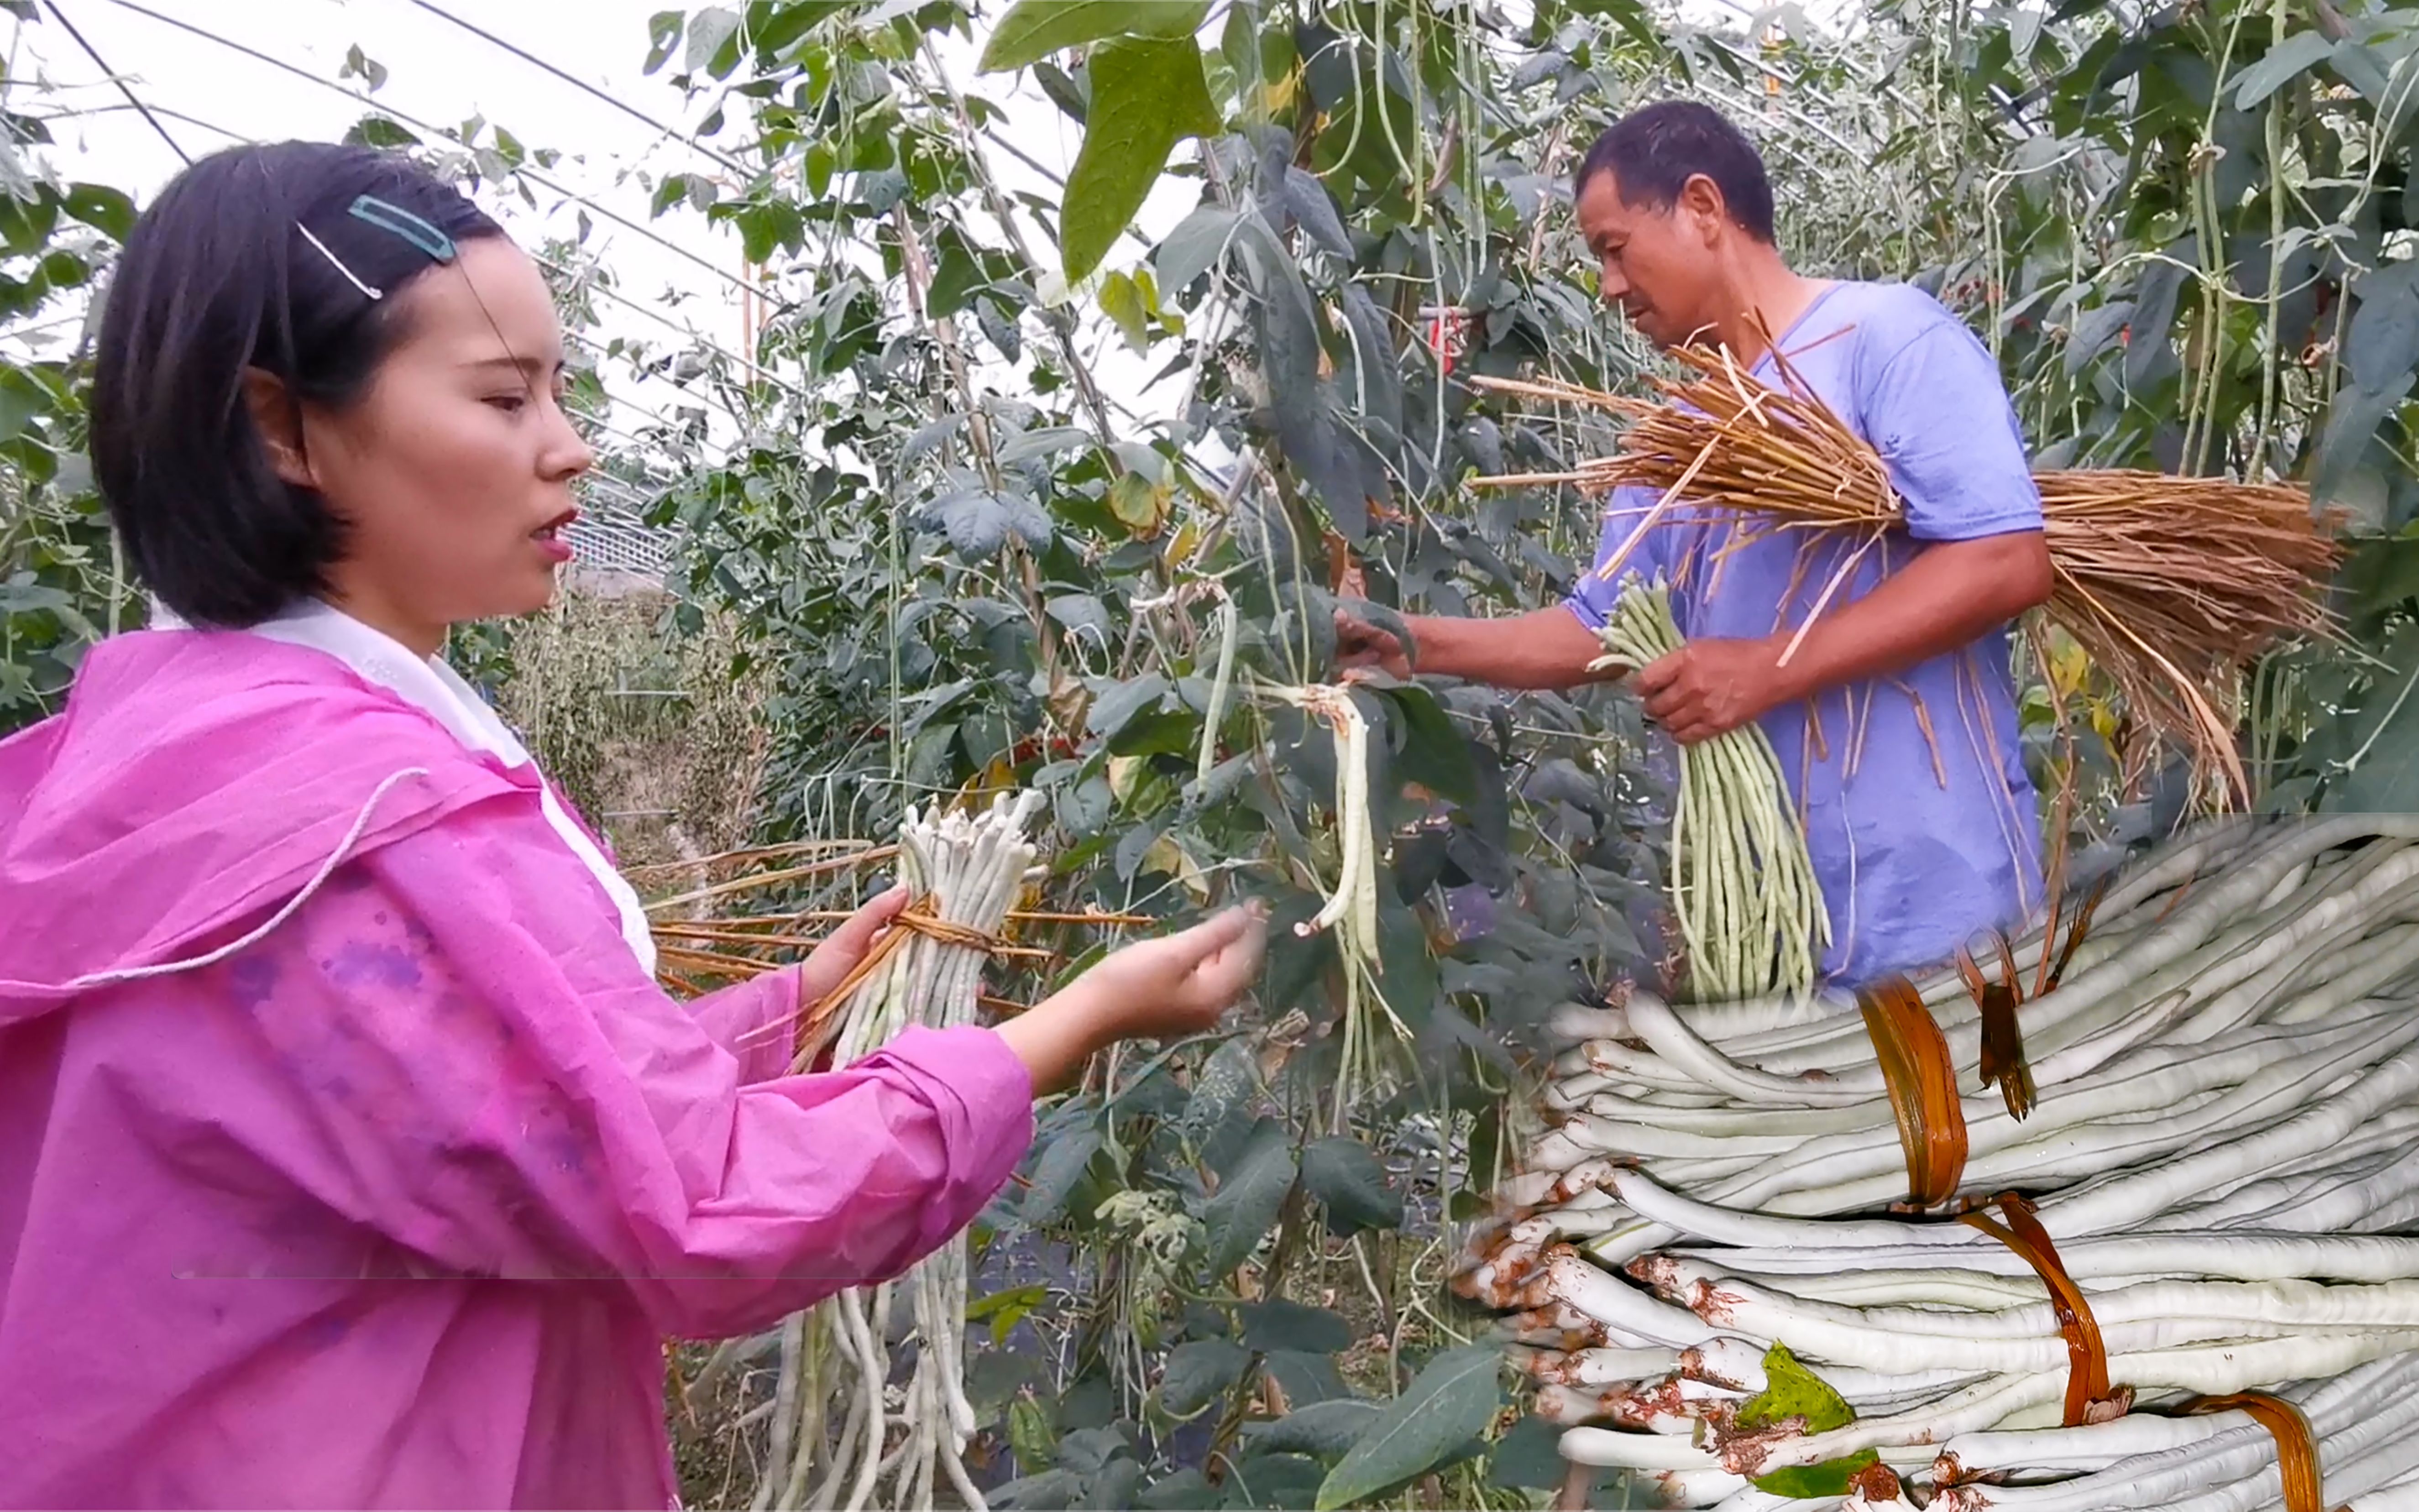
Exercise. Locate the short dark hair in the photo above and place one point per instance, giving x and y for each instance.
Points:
(1654, 151)
(218, 276)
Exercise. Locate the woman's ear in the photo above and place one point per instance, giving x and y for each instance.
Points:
(278, 421)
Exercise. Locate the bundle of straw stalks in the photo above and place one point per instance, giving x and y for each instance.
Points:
(742, 937)
(2172, 585)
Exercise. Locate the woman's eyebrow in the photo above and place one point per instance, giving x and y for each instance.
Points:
(534, 367)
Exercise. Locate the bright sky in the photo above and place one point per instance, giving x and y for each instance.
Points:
(438, 73)
(207, 93)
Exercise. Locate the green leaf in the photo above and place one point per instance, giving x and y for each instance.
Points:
(978, 523)
(1170, 733)
(1305, 1378)
(1199, 1373)
(1072, 98)
(1081, 613)
(1194, 247)
(2155, 311)
(1347, 1176)
(2357, 64)
(1186, 1490)
(1031, 1436)
(790, 22)
(707, 31)
(1323, 1428)
(2380, 576)
(1056, 1174)
(1047, 442)
(1283, 1324)
(2382, 344)
(1829, 1479)
(1275, 1481)
(663, 35)
(1113, 1487)
(1378, 382)
(2352, 424)
(105, 210)
(1145, 95)
(1132, 847)
(1529, 1457)
(1435, 753)
(1115, 705)
(1122, 303)
(1450, 1402)
(1006, 1309)
(1224, 1083)
(1088, 1449)
(1248, 1200)
(2300, 52)
(2381, 735)
(1306, 200)
(1033, 29)
(25, 224)
(1051, 1488)
(375, 131)
(2095, 331)
(1792, 1391)
(768, 224)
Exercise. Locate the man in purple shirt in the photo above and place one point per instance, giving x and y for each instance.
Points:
(1895, 721)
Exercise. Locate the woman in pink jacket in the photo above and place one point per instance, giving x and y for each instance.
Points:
(350, 1155)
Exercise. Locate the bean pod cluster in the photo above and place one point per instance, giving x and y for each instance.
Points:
(2224, 1155)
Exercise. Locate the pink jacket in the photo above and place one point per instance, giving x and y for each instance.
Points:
(393, 1204)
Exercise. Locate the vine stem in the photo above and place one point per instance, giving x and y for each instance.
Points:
(2271, 371)
(945, 330)
(1290, 1228)
(1059, 326)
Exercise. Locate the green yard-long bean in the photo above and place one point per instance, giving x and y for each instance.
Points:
(1743, 888)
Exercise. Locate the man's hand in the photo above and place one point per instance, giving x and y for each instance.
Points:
(1712, 686)
(1359, 644)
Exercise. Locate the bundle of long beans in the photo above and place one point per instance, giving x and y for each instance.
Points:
(2221, 1190)
(2172, 584)
(1743, 888)
(835, 1361)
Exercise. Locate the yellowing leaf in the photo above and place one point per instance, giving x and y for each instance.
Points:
(1137, 504)
(1181, 545)
(1122, 303)
(1123, 771)
(1168, 858)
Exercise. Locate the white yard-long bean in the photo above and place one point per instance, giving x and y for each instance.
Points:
(2224, 1151)
(967, 870)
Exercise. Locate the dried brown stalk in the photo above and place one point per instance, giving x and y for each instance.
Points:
(2172, 585)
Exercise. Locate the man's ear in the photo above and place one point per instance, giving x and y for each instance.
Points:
(278, 421)
(1708, 213)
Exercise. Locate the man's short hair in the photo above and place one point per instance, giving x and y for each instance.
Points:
(1654, 152)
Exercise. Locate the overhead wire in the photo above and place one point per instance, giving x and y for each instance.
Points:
(117, 79)
(446, 132)
(623, 105)
(148, 110)
(569, 195)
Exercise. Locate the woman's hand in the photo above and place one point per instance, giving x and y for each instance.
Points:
(831, 962)
(1175, 985)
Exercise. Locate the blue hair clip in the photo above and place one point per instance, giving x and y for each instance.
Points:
(402, 223)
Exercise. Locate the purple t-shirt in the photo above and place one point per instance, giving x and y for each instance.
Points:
(1918, 813)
